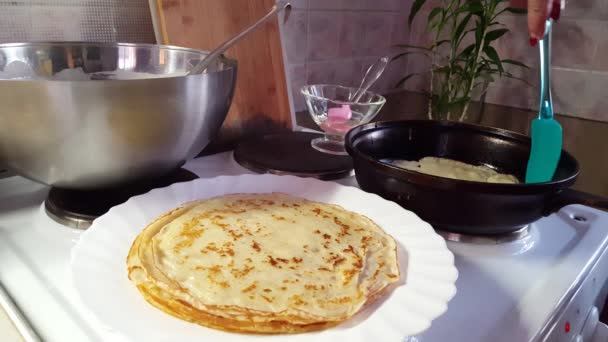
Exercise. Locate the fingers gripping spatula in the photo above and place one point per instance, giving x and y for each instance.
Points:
(546, 132)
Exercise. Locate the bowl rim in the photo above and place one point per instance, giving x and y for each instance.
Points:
(229, 63)
(440, 182)
(381, 99)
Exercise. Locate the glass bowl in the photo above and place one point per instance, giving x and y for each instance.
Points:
(332, 108)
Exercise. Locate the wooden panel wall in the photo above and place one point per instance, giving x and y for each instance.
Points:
(261, 100)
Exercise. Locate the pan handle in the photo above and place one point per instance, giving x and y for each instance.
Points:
(571, 196)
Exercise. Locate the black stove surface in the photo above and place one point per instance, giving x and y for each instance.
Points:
(78, 208)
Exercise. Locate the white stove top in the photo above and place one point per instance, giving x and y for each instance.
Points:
(533, 289)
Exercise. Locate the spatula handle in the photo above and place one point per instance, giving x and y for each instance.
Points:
(546, 103)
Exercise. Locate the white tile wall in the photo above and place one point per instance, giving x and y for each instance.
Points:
(334, 41)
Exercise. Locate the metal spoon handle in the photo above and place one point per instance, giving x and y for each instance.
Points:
(546, 106)
(371, 76)
(202, 65)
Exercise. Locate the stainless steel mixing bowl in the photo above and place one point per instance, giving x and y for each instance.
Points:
(121, 112)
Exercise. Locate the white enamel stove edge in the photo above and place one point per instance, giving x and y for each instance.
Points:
(521, 291)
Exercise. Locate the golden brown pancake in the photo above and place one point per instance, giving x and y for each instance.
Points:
(262, 263)
(448, 168)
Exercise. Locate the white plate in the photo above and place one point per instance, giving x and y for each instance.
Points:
(100, 275)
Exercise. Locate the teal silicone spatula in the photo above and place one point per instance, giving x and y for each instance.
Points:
(546, 132)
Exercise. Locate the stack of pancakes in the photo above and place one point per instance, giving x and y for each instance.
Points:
(262, 263)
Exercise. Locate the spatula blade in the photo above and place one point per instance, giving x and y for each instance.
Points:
(546, 150)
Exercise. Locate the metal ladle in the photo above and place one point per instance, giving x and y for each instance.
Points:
(203, 64)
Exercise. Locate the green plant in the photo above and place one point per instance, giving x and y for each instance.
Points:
(463, 59)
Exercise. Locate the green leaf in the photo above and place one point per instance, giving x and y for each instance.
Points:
(492, 71)
(474, 7)
(458, 102)
(432, 15)
(456, 35)
(513, 62)
(478, 32)
(493, 35)
(416, 6)
(403, 80)
(463, 8)
(466, 52)
(441, 104)
(456, 68)
(493, 55)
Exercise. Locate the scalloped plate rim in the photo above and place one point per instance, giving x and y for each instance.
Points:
(427, 231)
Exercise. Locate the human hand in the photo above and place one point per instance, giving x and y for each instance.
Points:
(538, 12)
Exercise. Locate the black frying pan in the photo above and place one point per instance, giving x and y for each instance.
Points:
(454, 205)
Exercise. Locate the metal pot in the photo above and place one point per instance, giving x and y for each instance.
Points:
(123, 112)
(453, 205)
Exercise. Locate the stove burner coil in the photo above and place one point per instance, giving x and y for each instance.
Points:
(78, 208)
(517, 235)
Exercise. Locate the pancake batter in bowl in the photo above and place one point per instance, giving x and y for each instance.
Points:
(448, 168)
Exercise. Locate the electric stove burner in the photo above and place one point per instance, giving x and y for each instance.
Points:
(78, 208)
(486, 239)
(291, 154)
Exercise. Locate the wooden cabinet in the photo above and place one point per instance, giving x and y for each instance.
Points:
(261, 101)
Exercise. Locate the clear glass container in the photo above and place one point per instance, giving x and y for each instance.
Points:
(334, 110)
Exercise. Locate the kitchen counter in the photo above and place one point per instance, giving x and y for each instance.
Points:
(582, 138)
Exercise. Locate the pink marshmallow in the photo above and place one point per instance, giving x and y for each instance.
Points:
(339, 114)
